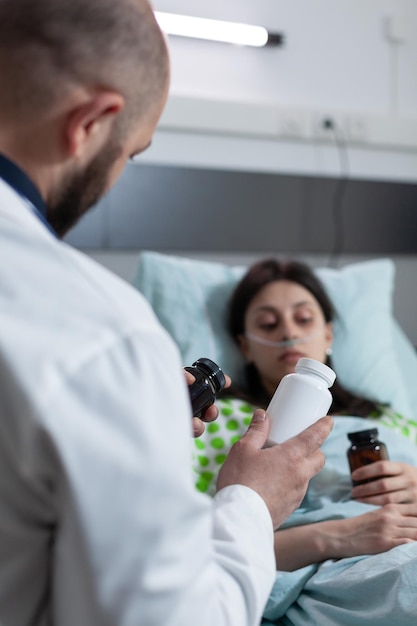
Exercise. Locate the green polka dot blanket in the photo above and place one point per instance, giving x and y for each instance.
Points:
(213, 446)
(210, 450)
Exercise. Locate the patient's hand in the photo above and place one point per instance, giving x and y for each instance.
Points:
(377, 531)
(210, 414)
(391, 482)
(370, 533)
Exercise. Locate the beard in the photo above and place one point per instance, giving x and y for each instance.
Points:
(83, 189)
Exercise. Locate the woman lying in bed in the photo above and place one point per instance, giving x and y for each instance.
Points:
(280, 312)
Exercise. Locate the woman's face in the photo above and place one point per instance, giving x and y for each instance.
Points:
(284, 310)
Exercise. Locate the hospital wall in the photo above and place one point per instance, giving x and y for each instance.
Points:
(239, 167)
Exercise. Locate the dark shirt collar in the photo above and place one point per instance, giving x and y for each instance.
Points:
(21, 183)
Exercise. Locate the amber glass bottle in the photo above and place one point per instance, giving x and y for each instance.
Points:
(365, 449)
(209, 380)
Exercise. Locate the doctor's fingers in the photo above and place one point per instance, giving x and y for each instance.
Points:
(313, 437)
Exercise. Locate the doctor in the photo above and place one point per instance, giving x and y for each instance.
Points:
(99, 520)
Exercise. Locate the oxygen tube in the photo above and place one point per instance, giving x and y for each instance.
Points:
(285, 343)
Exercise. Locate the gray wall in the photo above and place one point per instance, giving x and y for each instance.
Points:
(236, 217)
(178, 208)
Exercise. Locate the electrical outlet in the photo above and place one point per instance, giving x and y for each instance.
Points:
(356, 128)
(293, 123)
(327, 126)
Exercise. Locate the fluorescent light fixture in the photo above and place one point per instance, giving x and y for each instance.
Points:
(215, 30)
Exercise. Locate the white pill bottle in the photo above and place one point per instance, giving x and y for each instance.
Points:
(300, 399)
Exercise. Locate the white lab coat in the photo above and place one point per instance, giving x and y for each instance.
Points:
(100, 523)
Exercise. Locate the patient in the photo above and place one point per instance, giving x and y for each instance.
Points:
(280, 312)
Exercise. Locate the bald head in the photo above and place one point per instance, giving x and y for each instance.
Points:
(48, 47)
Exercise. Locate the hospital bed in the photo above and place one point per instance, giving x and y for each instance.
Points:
(372, 357)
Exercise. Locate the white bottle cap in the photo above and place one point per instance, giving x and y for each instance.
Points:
(316, 367)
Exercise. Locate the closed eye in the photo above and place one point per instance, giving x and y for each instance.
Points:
(268, 327)
(305, 321)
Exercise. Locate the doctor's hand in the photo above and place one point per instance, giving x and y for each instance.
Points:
(391, 483)
(279, 474)
(210, 414)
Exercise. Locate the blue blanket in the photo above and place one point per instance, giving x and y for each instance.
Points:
(371, 590)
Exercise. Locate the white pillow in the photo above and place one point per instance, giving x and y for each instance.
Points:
(190, 299)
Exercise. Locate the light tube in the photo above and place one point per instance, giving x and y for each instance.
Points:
(214, 30)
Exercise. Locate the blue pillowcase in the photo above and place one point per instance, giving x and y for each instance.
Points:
(190, 299)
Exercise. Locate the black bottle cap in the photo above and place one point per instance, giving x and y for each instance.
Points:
(363, 435)
(212, 371)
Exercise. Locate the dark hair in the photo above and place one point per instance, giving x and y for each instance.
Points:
(48, 46)
(257, 277)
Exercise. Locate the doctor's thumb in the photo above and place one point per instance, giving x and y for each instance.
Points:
(258, 429)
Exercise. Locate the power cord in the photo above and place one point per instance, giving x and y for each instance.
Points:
(339, 191)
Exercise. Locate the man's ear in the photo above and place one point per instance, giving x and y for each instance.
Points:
(90, 120)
